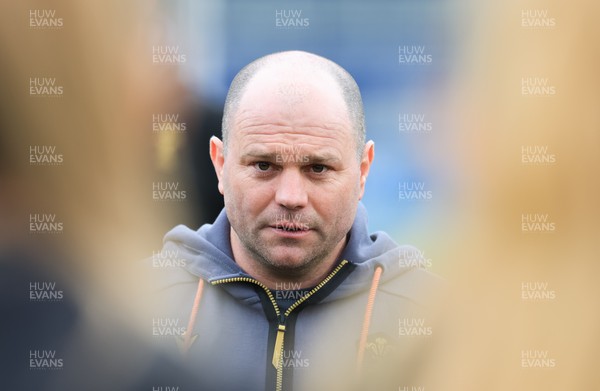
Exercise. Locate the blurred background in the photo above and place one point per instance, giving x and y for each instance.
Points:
(487, 135)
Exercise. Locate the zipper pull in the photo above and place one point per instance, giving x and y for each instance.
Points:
(278, 346)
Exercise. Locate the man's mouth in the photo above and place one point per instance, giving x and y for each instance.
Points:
(290, 227)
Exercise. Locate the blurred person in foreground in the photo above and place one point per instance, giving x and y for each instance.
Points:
(68, 309)
(287, 289)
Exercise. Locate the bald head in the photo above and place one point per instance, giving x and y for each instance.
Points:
(294, 69)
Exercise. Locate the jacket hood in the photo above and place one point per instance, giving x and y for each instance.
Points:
(208, 253)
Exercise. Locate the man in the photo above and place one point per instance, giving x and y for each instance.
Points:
(287, 290)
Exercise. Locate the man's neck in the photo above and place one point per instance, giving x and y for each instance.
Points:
(274, 280)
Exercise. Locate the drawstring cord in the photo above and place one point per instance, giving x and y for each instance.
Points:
(188, 340)
(362, 344)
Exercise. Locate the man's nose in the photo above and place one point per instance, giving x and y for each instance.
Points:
(290, 192)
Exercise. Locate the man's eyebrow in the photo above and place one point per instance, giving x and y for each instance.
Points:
(323, 158)
(258, 154)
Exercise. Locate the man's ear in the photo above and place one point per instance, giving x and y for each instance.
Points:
(365, 165)
(218, 159)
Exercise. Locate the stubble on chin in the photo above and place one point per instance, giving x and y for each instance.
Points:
(292, 266)
(280, 262)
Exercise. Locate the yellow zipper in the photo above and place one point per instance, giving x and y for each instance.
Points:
(315, 289)
(279, 339)
(252, 280)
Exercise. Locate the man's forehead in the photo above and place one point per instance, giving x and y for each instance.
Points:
(272, 150)
(269, 137)
(293, 103)
(251, 128)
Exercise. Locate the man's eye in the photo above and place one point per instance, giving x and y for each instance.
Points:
(263, 166)
(319, 168)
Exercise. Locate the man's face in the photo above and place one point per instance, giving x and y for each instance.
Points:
(291, 179)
